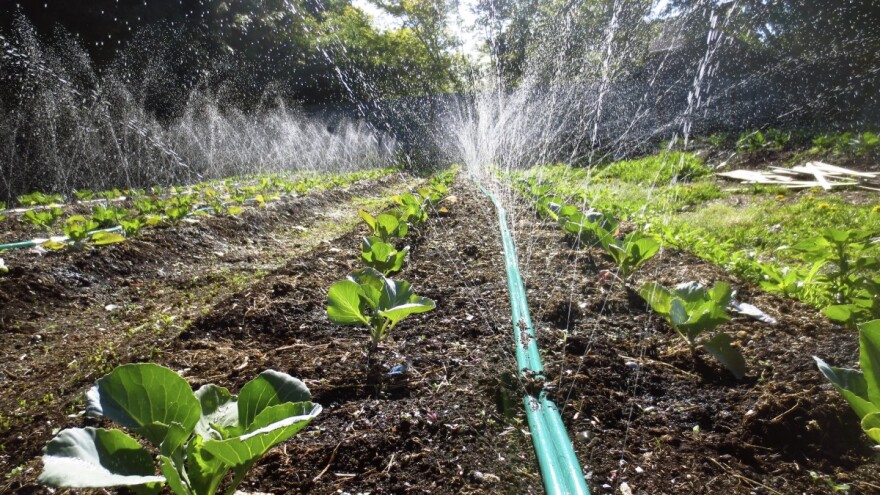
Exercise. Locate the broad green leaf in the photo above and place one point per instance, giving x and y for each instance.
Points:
(394, 293)
(94, 458)
(172, 477)
(104, 238)
(659, 298)
(720, 293)
(369, 219)
(371, 282)
(145, 397)
(389, 226)
(219, 410)
(204, 470)
(871, 426)
(844, 313)
(173, 436)
(869, 358)
(730, 357)
(269, 388)
(344, 303)
(645, 248)
(851, 384)
(678, 315)
(415, 305)
(690, 291)
(274, 425)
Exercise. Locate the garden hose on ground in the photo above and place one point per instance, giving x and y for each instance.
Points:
(36, 242)
(559, 466)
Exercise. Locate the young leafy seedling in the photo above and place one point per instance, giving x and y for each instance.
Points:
(178, 207)
(146, 206)
(38, 198)
(693, 312)
(588, 229)
(133, 226)
(861, 388)
(385, 226)
(84, 194)
(200, 437)
(411, 209)
(631, 252)
(852, 256)
(382, 256)
(370, 299)
(44, 219)
(77, 228)
(108, 216)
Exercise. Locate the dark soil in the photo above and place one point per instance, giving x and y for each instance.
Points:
(640, 409)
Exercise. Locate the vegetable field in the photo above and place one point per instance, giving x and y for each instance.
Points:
(381, 307)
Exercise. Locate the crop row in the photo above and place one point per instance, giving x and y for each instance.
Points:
(857, 144)
(816, 247)
(369, 297)
(199, 438)
(134, 210)
(694, 312)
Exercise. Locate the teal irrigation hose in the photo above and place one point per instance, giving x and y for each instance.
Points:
(559, 466)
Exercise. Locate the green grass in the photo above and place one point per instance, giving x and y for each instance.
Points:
(660, 169)
(742, 231)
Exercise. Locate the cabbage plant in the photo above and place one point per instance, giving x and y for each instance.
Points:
(382, 256)
(200, 437)
(77, 228)
(861, 388)
(587, 228)
(44, 219)
(385, 226)
(372, 300)
(694, 312)
(630, 252)
(411, 208)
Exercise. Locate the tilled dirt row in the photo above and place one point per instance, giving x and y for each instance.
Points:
(645, 413)
(436, 431)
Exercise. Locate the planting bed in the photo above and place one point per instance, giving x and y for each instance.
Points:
(437, 432)
(640, 410)
(643, 412)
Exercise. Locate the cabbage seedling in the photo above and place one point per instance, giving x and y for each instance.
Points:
(43, 218)
(108, 216)
(631, 252)
(77, 228)
(411, 209)
(178, 207)
(132, 227)
(694, 311)
(385, 226)
(861, 388)
(200, 437)
(38, 198)
(588, 228)
(370, 299)
(382, 256)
